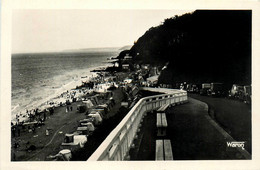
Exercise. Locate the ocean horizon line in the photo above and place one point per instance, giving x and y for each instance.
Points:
(80, 50)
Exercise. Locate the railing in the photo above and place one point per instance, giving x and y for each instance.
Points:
(117, 144)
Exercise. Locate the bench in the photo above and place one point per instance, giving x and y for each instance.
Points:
(161, 124)
(163, 108)
(163, 150)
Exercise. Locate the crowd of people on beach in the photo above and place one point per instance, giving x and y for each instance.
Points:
(97, 82)
(29, 121)
(36, 116)
(100, 83)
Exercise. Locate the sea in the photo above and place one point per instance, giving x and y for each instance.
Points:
(39, 77)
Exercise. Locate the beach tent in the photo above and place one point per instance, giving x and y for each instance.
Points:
(65, 154)
(69, 138)
(74, 140)
(87, 125)
(93, 111)
(97, 118)
(81, 140)
(101, 111)
(88, 103)
(90, 119)
(83, 130)
(105, 106)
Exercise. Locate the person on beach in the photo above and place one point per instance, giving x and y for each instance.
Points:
(51, 111)
(33, 129)
(44, 115)
(30, 117)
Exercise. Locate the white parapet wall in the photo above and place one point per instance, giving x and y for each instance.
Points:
(117, 144)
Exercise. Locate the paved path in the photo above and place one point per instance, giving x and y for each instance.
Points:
(193, 134)
(234, 116)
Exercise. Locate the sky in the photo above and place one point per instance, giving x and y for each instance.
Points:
(47, 30)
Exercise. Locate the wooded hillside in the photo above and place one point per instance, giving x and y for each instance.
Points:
(204, 46)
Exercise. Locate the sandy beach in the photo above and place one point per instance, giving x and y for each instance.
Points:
(42, 141)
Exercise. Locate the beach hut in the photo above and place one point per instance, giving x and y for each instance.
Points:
(81, 140)
(78, 141)
(83, 130)
(90, 119)
(65, 154)
(88, 103)
(101, 111)
(105, 107)
(87, 125)
(97, 118)
(69, 138)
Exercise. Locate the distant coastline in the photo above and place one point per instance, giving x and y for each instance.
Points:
(83, 50)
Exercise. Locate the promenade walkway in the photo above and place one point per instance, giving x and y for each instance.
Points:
(193, 134)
